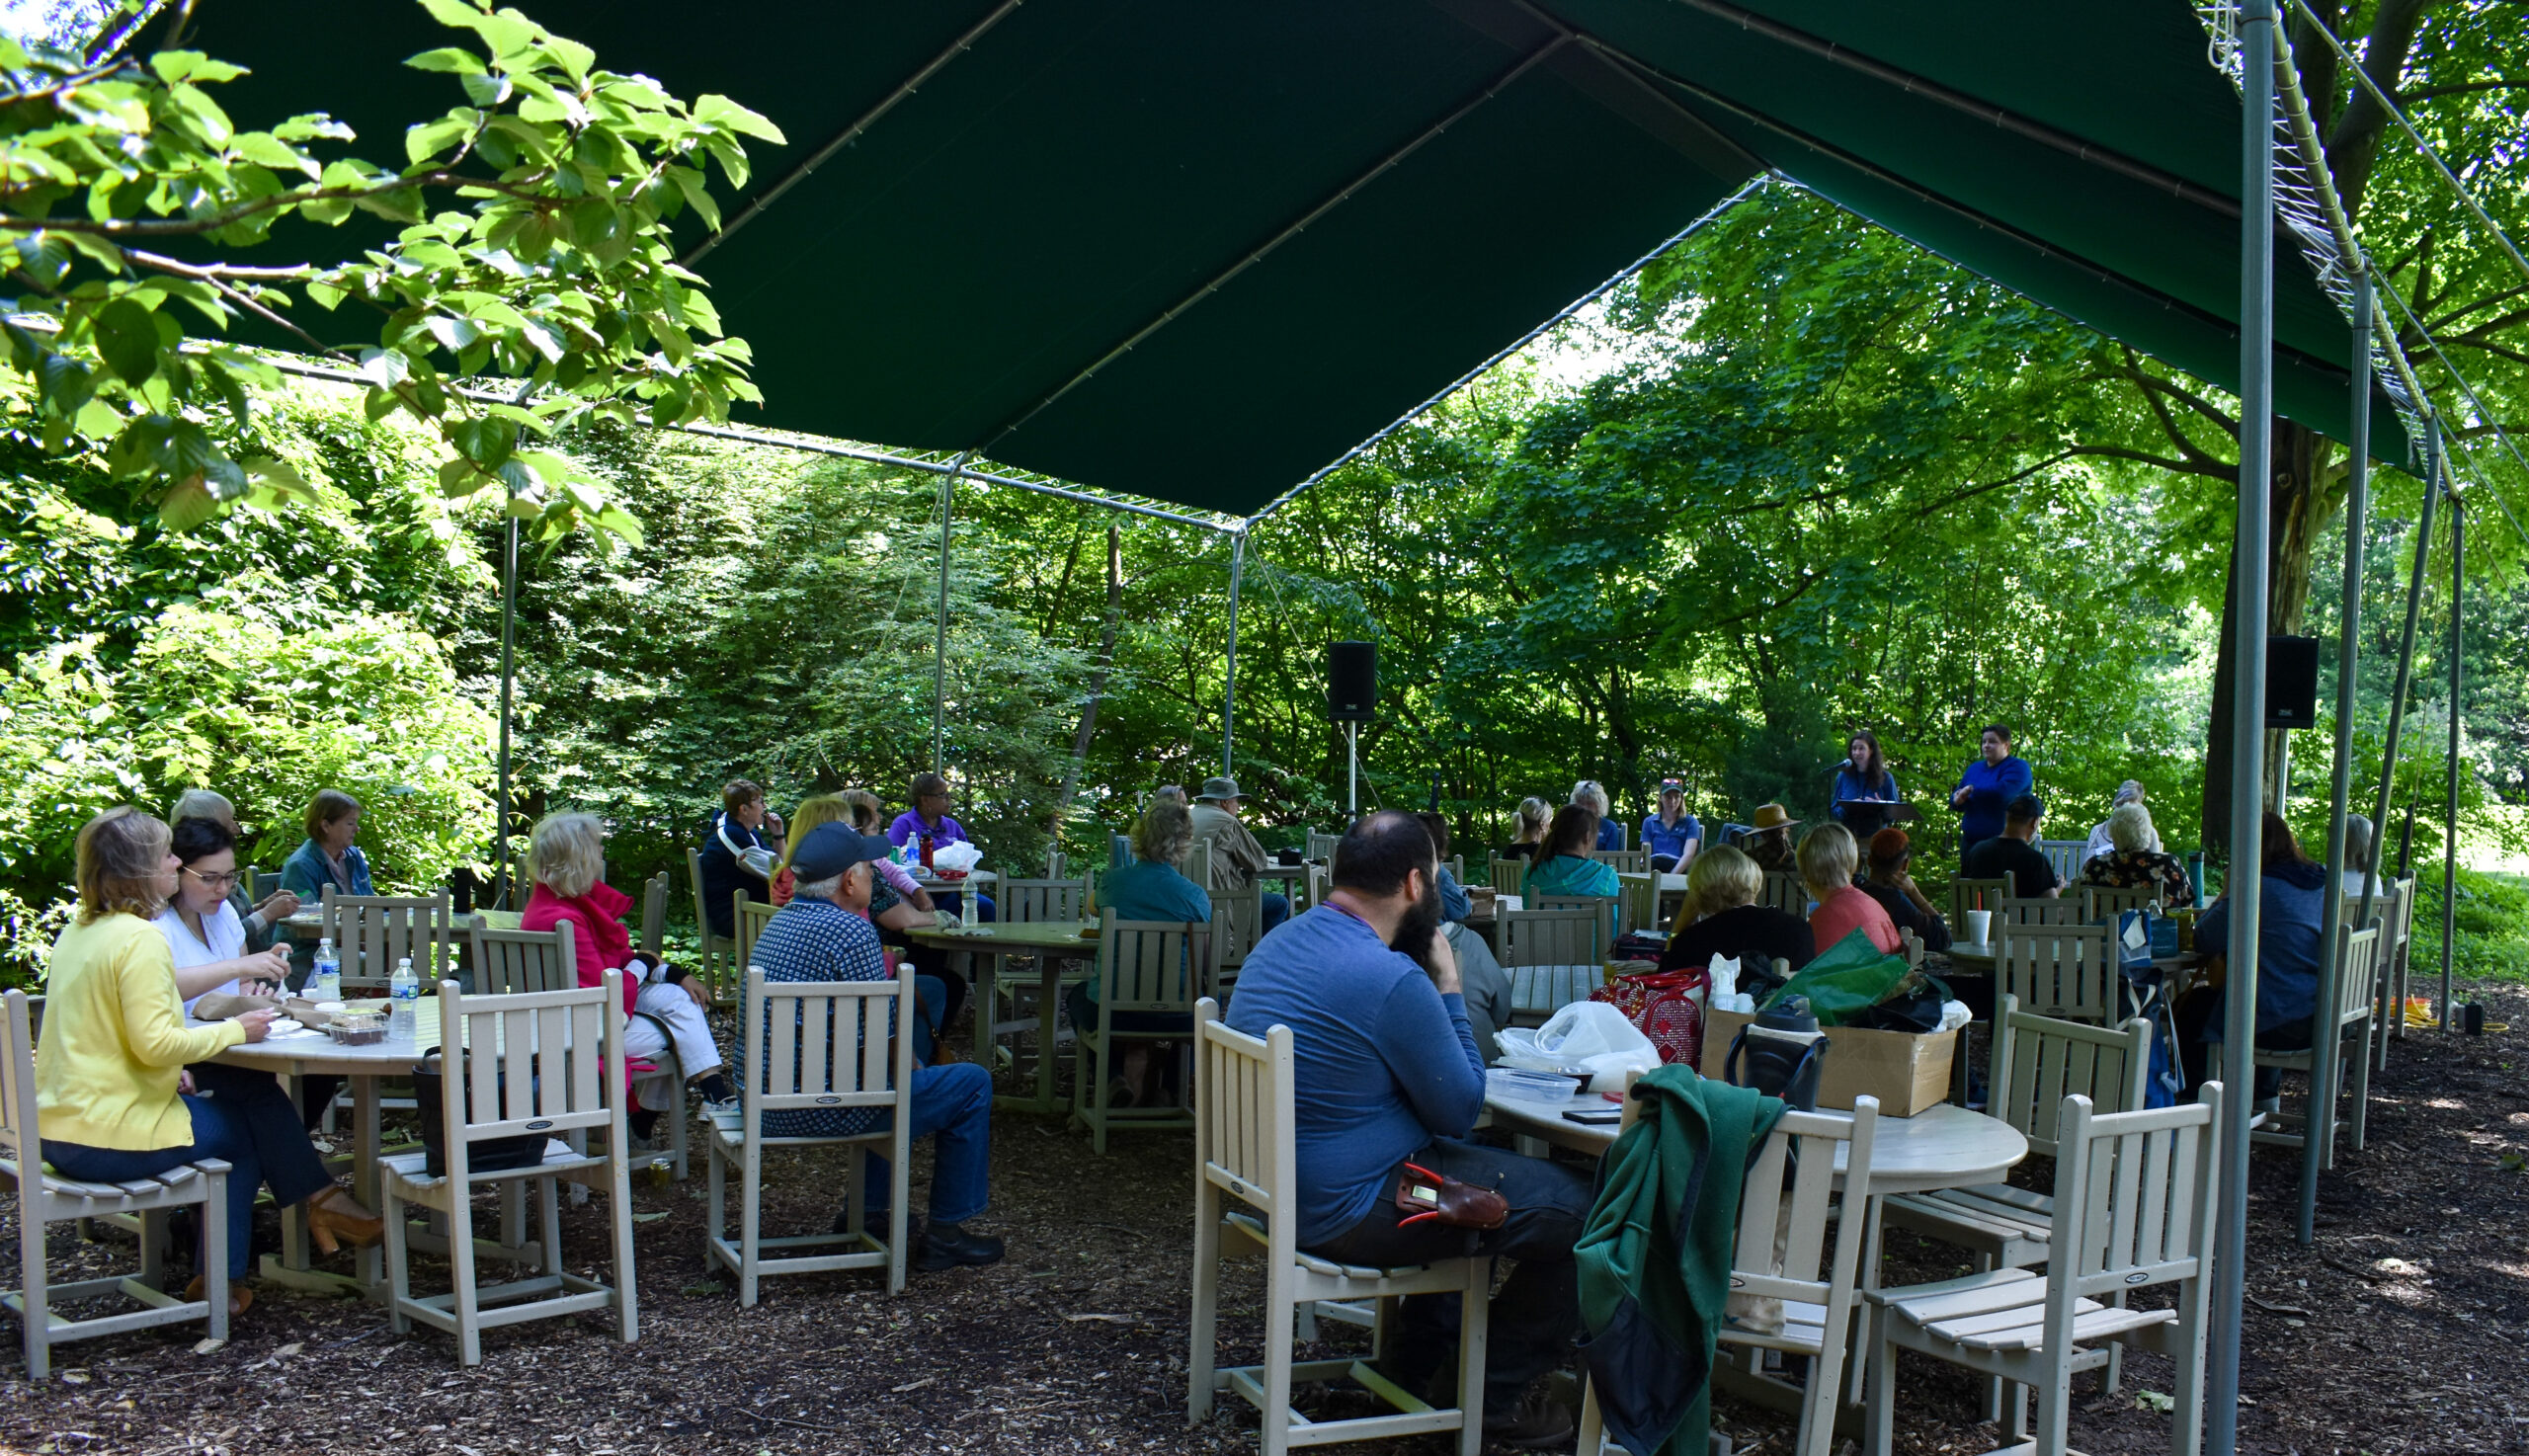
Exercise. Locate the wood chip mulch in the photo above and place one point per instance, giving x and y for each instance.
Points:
(2404, 1329)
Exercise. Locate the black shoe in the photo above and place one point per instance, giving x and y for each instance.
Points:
(946, 1246)
(1534, 1424)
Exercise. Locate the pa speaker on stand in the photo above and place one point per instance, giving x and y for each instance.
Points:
(1351, 695)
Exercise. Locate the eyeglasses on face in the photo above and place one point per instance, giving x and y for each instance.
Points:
(224, 880)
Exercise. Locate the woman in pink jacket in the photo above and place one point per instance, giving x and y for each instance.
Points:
(1828, 858)
(566, 858)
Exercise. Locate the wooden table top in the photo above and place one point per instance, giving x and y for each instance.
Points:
(1010, 936)
(1941, 1147)
(1538, 992)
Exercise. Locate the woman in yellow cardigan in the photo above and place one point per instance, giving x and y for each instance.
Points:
(112, 1099)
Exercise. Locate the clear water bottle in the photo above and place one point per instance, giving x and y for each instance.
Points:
(405, 995)
(325, 982)
(966, 910)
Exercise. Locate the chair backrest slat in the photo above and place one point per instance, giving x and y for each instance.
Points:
(18, 1082)
(1967, 894)
(1783, 891)
(1554, 937)
(2038, 1061)
(371, 932)
(823, 1044)
(1154, 965)
(1245, 1091)
(1507, 875)
(654, 916)
(2132, 1191)
(748, 917)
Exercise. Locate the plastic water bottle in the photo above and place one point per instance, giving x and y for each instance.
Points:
(405, 993)
(966, 910)
(325, 982)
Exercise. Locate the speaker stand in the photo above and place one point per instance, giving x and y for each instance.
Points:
(1353, 777)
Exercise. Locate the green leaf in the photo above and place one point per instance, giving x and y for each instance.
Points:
(719, 111)
(487, 90)
(324, 295)
(385, 368)
(485, 440)
(429, 138)
(313, 127)
(265, 149)
(452, 333)
(454, 59)
(274, 482)
(128, 340)
(191, 65)
(186, 504)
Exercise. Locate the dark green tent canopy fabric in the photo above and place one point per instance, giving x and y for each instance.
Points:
(1194, 252)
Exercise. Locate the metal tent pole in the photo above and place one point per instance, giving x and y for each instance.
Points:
(2450, 838)
(509, 644)
(2405, 678)
(1352, 775)
(1229, 681)
(940, 642)
(2247, 708)
(2324, 1058)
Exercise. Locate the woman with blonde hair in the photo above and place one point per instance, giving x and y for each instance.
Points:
(1828, 858)
(1721, 916)
(663, 1005)
(1533, 816)
(114, 1103)
(820, 809)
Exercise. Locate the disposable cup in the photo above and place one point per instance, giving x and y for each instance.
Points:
(1980, 925)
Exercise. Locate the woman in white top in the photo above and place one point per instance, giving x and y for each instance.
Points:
(209, 941)
(202, 926)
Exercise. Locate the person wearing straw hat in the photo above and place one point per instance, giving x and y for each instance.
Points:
(1769, 839)
(1236, 858)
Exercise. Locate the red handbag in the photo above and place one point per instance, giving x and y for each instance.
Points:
(1668, 1007)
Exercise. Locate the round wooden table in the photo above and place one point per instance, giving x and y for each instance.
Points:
(1941, 1147)
(1051, 941)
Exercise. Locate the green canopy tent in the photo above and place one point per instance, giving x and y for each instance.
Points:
(1194, 253)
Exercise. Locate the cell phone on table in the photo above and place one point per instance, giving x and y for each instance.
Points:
(1595, 1117)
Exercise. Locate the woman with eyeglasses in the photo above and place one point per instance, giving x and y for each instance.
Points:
(262, 920)
(208, 940)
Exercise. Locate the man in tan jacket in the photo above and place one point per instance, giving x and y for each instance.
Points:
(1235, 856)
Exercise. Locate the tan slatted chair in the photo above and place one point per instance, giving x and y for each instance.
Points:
(2106, 901)
(1973, 894)
(2396, 920)
(748, 918)
(817, 1046)
(1624, 862)
(1784, 892)
(1314, 887)
(1507, 875)
(654, 918)
(1320, 847)
(373, 931)
(2067, 972)
(718, 956)
(1607, 909)
(1056, 864)
(1246, 1191)
(2135, 1194)
(1043, 900)
(2357, 987)
(45, 1199)
(1151, 967)
(2067, 856)
(2068, 909)
(1637, 897)
(545, 1063)
(1238, 923)
(1782, 1253)
(1553, 937)
(523, 962)
(2038, 1061)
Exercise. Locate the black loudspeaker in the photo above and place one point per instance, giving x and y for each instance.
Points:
(1351, 682)
(2291, 682)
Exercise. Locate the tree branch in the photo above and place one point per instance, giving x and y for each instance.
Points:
(2428, 92)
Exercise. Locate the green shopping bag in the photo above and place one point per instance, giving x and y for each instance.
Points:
(1850, 978)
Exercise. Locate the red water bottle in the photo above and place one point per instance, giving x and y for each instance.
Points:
(925, 852)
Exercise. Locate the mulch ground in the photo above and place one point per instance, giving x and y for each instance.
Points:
(2402, 1329)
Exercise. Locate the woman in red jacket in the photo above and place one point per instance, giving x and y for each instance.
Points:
(566, 857)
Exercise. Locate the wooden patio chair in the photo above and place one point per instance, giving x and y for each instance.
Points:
(1637, 900)
(2064, 971)
(716, 959)
(46, 1198)
(1568, 936)
(1624, 862)
(1043, 900)
(1246, 1187)
(371, 932)
(1782, 1252)
(1967, 894)
(748, 918)
(2134, 1193)
(1507, 873)
(2357, 993)
(816, 1046)
(1321, 848)
(2066, 855)
(1784, 892)
(2068, 909)
(2397, 923)
(2106, 902)
(1145, 968)
(2037, 1062)
(654, 918)
(543, 1063)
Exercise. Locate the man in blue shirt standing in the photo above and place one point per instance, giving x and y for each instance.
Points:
(1671, 836)
(1986, 789)
(1388, 1073)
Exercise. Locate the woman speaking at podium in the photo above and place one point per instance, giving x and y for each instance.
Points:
(1865, 791)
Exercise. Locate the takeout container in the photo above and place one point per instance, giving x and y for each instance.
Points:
(1906, 1071)
(1530, 1086)
(356, 1025)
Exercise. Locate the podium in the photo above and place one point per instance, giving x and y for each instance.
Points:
(1867, 817)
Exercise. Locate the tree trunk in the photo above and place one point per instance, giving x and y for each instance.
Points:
(1096, 678)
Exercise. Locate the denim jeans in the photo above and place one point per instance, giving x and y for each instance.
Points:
(1531, 1320)
(955, 1103)
(1277, 909)
(252, 1128)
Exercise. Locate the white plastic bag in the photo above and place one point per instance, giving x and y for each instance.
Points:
(1586, 1036)
(959, 855)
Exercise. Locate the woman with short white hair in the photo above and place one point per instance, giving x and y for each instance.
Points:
(1591, 795)
(2138, 862)
(663, 1005)
(262, 922)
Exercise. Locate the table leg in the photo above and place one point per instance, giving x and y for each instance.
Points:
(1049, 990)
(293, 1267)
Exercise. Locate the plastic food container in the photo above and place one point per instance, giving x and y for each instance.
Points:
(357, 1028)
(1530, 1087)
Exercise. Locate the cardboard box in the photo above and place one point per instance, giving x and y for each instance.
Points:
(1906, 1072)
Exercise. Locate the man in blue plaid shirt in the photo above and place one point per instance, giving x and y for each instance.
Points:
(824, 934)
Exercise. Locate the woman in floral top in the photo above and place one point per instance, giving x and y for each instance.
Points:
(2134, 864)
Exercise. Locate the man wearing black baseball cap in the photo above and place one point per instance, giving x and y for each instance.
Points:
(824, 934)
(2014, 854)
